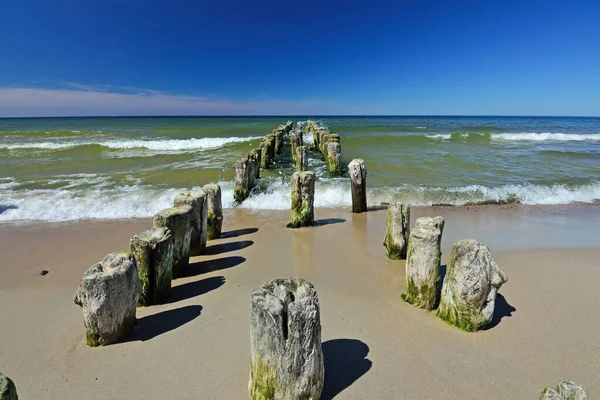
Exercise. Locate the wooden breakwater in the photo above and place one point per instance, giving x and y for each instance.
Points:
(325, 142)
(247, 168)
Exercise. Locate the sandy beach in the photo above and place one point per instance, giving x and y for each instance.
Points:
(375, 345)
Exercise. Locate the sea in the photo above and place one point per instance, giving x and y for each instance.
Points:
(65, 169)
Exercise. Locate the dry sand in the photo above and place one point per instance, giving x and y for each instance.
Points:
(375, 345)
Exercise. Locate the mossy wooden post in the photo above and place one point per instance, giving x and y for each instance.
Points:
(271, 148)
(423, 279)
(257, 156)
(397, 231)
(303, 196)
(320, 137)
(215, 211)
(293, 147)
(470, 286)
(295, 142)
(242, 173)
(301, 158)
(358, 185)
(323, 144)
(264, 154)
(179, 221)
(8, 390)
(334, 151)
(196, 199)
(108, 295)
(286, 356)
(317, 136)
(153, 253)
(279, 136)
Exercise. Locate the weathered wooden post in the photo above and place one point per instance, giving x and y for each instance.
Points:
(271, 140)
(285, 341)
(470, 286)
(8, 390)
(215, 211)
(264, 154)
(279, 136)
(257, 156)
(196, 199)
(301, 158)
(334, 151)
(397, 231)
(153, 253)
(423, 279)
(358, 185)
(303, 196)
(178, 220)
(295, 142)
(108, 295)
(242, 174)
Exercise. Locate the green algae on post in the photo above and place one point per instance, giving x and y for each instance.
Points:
(423, 279)
(397, 231)
(303, 192)
(214, 211)
(179, 221)
(285, 341)
(108, 295)
(469, 290)
(197, 199)
(153, 253)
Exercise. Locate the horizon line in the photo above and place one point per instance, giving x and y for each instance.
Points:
(304, 115)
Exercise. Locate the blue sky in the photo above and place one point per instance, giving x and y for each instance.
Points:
(137, 57)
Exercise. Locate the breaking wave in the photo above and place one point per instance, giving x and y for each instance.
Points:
(138, 201)
(156, 145)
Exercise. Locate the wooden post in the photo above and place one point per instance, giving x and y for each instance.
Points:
(303, 197)
(358, 183)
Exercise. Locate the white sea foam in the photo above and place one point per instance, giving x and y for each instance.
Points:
(156, 145)
(544, 136)
(56, 205)
(440, 136)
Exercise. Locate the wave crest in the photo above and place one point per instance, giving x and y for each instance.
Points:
(100, 202)
(155, 145)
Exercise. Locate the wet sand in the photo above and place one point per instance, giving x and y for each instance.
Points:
(375, 345)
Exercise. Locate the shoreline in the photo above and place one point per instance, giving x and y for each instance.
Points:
(574, 206)
(374, 343)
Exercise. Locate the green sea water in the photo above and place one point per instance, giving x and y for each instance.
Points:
(60, 169)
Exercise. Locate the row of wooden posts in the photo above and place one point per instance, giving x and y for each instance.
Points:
(110, 290)
(247, 169)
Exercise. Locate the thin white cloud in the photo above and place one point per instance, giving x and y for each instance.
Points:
(100, 100)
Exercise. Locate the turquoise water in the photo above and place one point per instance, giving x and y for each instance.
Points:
(59, 169)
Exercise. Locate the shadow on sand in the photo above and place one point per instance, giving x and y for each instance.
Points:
(203, 267)
(155, 325)
(216, 249)
(238, 232)
(501, 310)
(329, 221)
(197, 288)
(345, 362)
